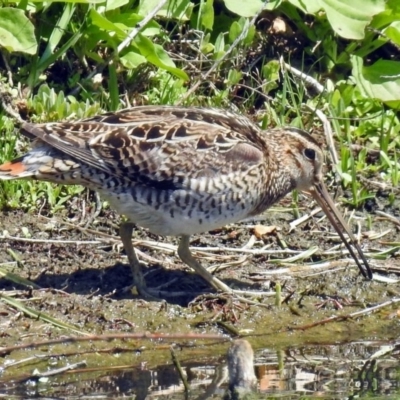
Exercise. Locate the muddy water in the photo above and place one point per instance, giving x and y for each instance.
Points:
(76, 276)
(359, 369)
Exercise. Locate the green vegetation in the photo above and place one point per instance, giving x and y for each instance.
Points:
(108, 55)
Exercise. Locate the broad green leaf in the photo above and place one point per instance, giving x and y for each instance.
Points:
(71, 1)
(385, 18)
(155, 54)
(393, 6)
(270, 72)
(251, 31)
(114, 4)
(249, 8)
(179, 9)
(103, 23)
(393, 32)
(207, 14)
(309, 7)
(380, 80)
(272, 4)
(350, 18)
(205, 46)
(234, 77)
(219, 46)
(234, 31)
(122, 23)
(16, 31)
(248, 40)
(127, 21)
(131, 60)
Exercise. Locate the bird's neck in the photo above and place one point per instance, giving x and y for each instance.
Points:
(278, 180)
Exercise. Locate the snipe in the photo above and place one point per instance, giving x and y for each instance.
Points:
(179, 171)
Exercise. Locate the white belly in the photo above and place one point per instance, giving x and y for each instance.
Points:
(172, 219)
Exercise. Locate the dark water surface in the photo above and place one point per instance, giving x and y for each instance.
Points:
(334, 371)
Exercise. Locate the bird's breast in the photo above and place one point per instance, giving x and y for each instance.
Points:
(182, 211)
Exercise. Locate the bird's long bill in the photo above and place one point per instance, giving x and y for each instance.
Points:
(323, 199)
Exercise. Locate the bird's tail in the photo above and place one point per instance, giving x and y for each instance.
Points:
(43, 163)
(15, 169)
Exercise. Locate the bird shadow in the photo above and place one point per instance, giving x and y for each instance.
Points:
(177, 286)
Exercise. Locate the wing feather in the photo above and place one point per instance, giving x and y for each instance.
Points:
(156, 143)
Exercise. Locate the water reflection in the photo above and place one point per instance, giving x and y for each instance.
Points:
(335, 371)
(241, 367)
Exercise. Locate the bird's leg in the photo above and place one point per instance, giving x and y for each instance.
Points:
(125, 232)
(187, 257)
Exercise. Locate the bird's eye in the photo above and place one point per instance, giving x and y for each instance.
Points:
(309, 153)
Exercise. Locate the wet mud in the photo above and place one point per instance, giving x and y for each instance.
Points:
(79, 274)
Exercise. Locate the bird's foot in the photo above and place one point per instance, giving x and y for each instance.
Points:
(143, 291)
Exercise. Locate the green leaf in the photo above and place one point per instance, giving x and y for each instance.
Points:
(155, 54)
(71, 1)
(270, 73)
(42, 65)
(179, 9)
(234, 31)
(207, 14)
(132, 60)
(16, 31)
(113, 87)
(30, 312)
(114, 4)
(350, 18)
(19, 280)
(247, 9)
(219, 46)
(38, 68)
(393, 32)
(58, 32)
(251, 31)
(385, 18)
(380, 80)
(206, 47)
(309, 7)
(272, 4)
(234, 77)
(122, 23)
(127, 21)
(393, 6)
(103, 23)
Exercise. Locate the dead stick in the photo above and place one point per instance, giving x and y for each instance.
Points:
(58, 371)
(179, 369)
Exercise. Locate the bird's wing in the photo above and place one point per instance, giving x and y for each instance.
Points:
(156, 143)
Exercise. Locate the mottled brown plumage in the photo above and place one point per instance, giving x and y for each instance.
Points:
(178, 171)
